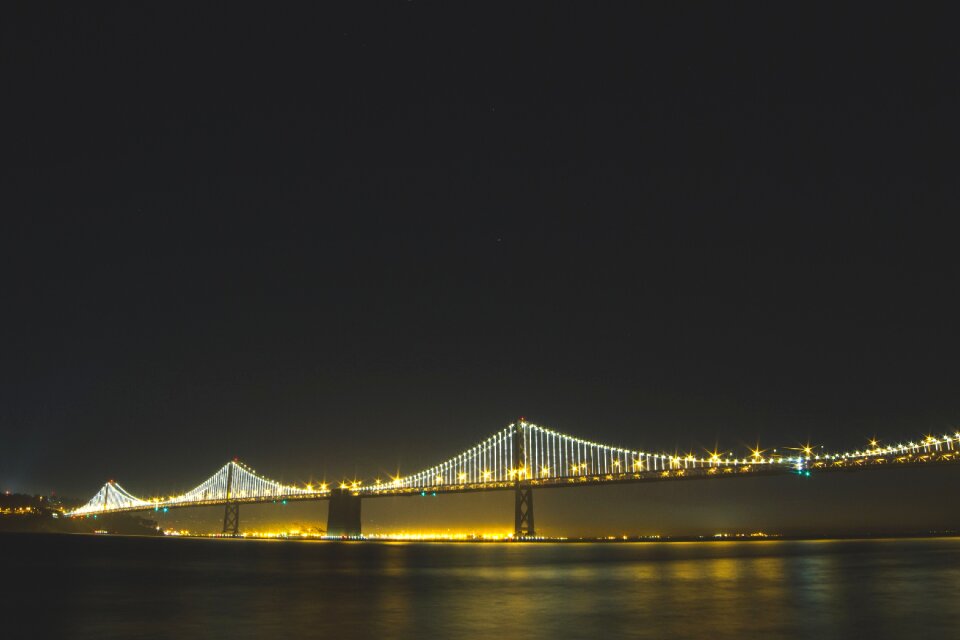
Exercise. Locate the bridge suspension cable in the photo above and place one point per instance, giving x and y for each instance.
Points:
(549, 454)
(243, 485)
(111, 497)
(528, 454)
(234, 481)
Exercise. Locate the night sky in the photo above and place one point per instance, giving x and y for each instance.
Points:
(348, 239)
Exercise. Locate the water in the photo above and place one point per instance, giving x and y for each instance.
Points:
(99, 587)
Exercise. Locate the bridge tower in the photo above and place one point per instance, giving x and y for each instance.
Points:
(231, 517)
(523, 507)
(343, 518)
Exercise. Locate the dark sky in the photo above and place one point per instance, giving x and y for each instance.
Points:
(348, 238)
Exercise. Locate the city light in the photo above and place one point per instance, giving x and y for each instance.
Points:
(548, 458)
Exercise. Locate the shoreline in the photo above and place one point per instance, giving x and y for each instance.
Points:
(542, 540)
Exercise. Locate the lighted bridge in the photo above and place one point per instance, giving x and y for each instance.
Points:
(519, 458)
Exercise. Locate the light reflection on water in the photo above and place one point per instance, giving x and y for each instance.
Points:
(85, 587)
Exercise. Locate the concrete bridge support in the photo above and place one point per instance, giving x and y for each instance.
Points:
(343, 519)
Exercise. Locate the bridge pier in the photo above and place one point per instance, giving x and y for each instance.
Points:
(523, 509)
(523, 513)
(343, 519)
(231, 519)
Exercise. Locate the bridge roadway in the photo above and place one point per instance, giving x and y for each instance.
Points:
(344, 511)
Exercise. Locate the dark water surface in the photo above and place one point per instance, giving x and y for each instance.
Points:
(112, 587)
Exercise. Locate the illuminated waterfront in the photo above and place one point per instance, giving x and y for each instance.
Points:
(117, 587)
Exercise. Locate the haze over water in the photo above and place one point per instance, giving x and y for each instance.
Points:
(114, 587)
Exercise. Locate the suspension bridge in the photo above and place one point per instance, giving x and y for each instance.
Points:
(519, 458)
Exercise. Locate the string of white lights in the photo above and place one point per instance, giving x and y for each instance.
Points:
(547, 455)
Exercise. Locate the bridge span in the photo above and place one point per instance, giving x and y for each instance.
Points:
(519, 458)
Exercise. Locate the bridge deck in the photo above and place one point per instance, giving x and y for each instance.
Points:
(931, 459)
